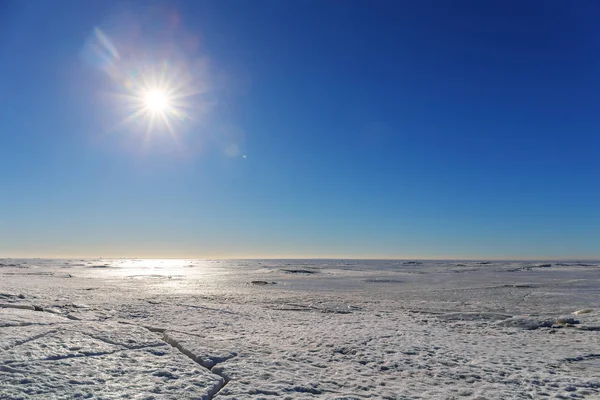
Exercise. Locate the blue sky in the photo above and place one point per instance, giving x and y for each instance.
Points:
(386, 129)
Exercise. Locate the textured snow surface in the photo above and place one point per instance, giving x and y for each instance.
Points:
(190, 329)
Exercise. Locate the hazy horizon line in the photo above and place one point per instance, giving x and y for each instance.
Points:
(403, 258)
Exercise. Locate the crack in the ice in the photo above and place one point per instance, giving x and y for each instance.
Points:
(89, 354)
(80, 355)
(155, 329)
(209, 309)
(14, 324)
(212, 392)
(198, 360)
(311, 308)
(115, 343)
(21, 342)
(32, 307)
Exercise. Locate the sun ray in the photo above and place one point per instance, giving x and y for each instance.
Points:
(171, 131)
(137, 114)
(150, 125)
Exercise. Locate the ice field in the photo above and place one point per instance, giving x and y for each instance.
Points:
(285, 329)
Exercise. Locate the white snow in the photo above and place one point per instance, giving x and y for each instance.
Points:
(191, 329)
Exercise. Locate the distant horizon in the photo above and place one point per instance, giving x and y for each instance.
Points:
(483, 259)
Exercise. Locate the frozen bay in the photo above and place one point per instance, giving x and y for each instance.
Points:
(299, 329)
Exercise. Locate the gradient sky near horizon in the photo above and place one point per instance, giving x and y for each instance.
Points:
(365, 129)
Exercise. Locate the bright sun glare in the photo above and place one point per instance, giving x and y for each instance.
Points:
(156, 101)
(162, 95)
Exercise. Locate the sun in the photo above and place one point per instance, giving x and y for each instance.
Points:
(155, 92)
(159, 99)
(156, 101)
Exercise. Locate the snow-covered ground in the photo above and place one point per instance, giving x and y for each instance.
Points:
(191, 329)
